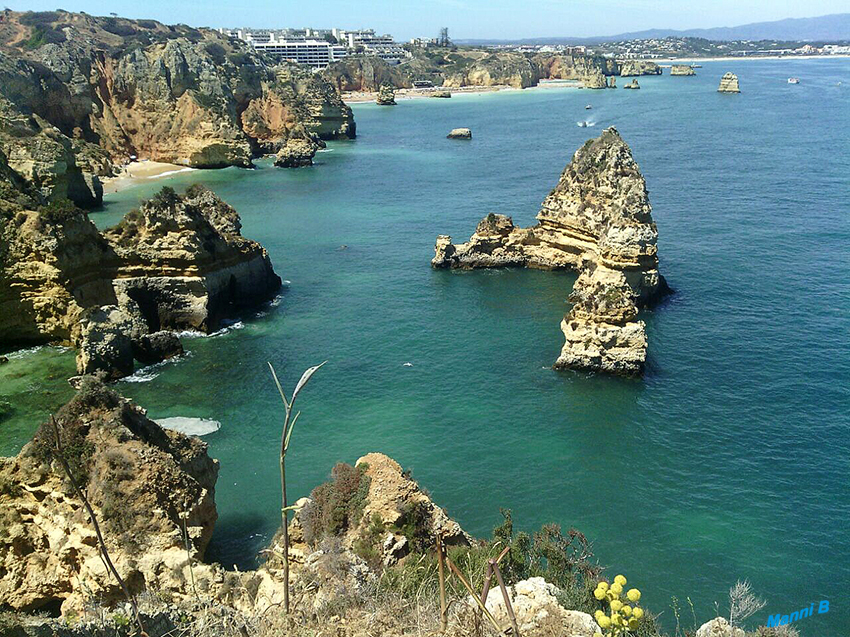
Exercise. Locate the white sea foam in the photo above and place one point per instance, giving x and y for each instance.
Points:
(189, 426)
(147, 374)
(236, 325)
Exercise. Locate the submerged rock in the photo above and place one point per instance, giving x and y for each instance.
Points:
(460, 133)
(729, 84)
(598, 221)
(386, 96)
(682, 69)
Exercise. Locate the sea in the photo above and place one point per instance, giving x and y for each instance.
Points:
(728, 460)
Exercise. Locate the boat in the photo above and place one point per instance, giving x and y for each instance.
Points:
(696, 66)
(793, 80)
(582, 124)
(588, 107)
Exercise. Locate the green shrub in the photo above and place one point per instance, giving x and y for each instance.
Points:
(165, 198)
(216, 52)
(59, 211)
(337, 505)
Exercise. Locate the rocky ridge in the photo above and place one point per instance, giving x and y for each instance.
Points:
(682, 69)
(175, 263)
(111, 89)
(597, 221)
(630, 68)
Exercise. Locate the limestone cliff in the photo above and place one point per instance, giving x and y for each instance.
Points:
(175, 263)
(573, 67)
(629, 68)
(366, 74)
(81, 92)
(386, 96)
(144, 484)
(497, 69)
(682, 69)
(597, 221)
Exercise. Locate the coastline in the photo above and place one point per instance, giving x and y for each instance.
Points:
(733, 58)
(138, 172)
(359, 97)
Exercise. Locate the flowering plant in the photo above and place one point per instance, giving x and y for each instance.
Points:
(622, 617)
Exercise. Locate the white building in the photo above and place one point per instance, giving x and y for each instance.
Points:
(313, 53)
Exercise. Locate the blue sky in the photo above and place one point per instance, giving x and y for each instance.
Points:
(464, 18)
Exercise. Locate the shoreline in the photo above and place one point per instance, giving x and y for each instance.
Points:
(738, 58)
(138, 172)
(362, 97)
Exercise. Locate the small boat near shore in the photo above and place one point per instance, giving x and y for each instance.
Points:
(793, 80)
(588, 107)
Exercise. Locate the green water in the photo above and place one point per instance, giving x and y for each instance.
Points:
(729, 460)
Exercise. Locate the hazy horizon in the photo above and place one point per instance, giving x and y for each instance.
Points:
(466, 19)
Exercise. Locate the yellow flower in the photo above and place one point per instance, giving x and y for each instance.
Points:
(638, 612)
(598, 614)
(616, 604)
(616, 587)
(633, 624)
(633, 594)
(603, 585)
(620, 580)
(597, 634)
(604, 622)
(599, 594)
(626, 610)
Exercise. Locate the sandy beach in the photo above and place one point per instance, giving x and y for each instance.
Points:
(354, 97)
(140, 171)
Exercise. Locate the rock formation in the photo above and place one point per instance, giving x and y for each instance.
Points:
(175, 263)
(496, 69)
(537, 610)
(719, 627)
(460, 133)
(638, 67)
(442, 94)
(682, 69)
(386, 96)
(729, 84)
(573, 67)
(597, 221)
(632, 85)
(612, 82)
(366, 74)
(594, 80)
(298, 152)
(78, 93)
(143, 483)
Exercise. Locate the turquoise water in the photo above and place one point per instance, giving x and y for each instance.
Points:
(729, 460)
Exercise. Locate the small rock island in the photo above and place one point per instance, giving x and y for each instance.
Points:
(729, 84)
(682, 69)
(597, 221)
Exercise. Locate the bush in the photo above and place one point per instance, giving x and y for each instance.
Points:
(337, 505)
(165, 198)
(41, 35)
(118, 27)
(59, 211)
(216, 52)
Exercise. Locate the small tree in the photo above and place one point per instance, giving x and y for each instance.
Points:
(743, 603)
(286, 434)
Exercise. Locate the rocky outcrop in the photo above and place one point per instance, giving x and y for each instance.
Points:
(386, 96)
(682, 69)
(175, 263)
(630, 68)
(719, 627)
(573, 67)
(594, 80)
(442, 94)
(612, 82)
(538, 613)
(297, 152)
(91, 97)
(729, 84)
(597, 221)
(497, 69)
(146, 486)
(460, 133)
(632, 85)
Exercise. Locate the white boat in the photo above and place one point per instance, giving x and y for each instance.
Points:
(793, 80)
(588, 107)
(582, 124)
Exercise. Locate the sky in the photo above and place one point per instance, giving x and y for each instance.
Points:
(465, 19)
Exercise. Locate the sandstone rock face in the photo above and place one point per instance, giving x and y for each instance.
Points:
(460, 133)
(538, 613)
(171, 94)
(176, 263)
(638, 67)
(718, 627)
(633, 84)
(682, 69)
(594, 80)
(365, 74)
(442, 94)
(612, 82)
(497, 69)
(729, 84)
(48, 551)
(574, 67)
(386, 96)
(598, 221)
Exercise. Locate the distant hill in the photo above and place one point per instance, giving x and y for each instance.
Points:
(835, 27)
